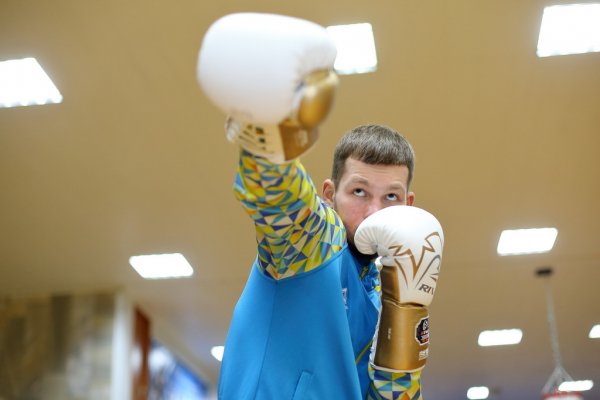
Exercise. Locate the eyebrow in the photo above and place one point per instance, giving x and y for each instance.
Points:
(394, 186)
(360, 181)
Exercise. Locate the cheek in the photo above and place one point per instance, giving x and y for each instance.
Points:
(349, 213)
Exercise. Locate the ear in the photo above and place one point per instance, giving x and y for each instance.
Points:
(328, 192)
(410, 199)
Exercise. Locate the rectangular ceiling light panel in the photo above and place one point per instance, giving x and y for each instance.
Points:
(355, 48)
(576, 386)
(526, 241)
(478, 392)
(501, 337)
(595, 332)
(25, 83)
(569, 29)
(160, 266)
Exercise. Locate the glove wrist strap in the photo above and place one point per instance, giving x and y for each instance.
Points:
(402, 338)
(278, 143)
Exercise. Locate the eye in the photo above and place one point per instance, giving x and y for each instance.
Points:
(391, 197)
(359, 192)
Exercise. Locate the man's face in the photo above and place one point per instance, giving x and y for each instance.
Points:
(365, 189)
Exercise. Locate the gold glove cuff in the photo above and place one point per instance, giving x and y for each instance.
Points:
(317, 98)
(295, 140)
(402, 337)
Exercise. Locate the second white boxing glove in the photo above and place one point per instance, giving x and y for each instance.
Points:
(410, 242)
(409, 239)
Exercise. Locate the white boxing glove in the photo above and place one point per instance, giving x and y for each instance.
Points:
(265, 71)
(410, 242)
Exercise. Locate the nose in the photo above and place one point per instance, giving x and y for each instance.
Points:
(374, 206)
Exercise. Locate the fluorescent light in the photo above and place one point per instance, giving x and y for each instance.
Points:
(501, 337)
(576, 386)
(217, 352)
(157, 266)
(355, 48)
(569, 29)
(24, 83)
(526, 241)
(595, 332)
(478, 392)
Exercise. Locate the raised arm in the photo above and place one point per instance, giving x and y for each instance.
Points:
(296, 232)
(276, 82)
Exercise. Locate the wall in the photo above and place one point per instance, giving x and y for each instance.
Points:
(57, 347)
(87, 347)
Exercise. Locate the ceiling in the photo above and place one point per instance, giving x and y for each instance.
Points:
(135, 161)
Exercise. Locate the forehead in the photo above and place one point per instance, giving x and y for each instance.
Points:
(374, 174)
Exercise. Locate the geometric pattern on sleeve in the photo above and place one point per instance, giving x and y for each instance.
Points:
(295, 231)
(394, 386)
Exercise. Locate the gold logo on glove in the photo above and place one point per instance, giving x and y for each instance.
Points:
(416, 265)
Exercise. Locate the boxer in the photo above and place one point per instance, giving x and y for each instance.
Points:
(310, 323)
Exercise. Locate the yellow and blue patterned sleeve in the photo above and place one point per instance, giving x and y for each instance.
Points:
(394, 386)
(296, 232)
